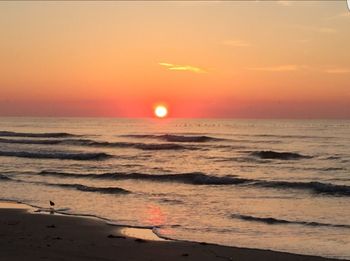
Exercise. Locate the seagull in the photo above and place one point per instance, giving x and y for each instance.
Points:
(52, 210)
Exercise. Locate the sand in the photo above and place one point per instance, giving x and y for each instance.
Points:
(26, 236)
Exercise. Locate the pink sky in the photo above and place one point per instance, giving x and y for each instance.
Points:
(273, 59)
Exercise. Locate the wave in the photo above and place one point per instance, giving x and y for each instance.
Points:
(92, 143)
(26, 141)
(141, 146)
(163, 146)
(174, 138)
(333, 157)
(194, 178)
(269, 154)
(331, 169)
(314, 186)
(171, 201)
(2, 177)
(104, 190)
(56, 155)
(36, 135)
(290, 136)
(198, 178)
(273, 221)
(80, 187)
(181, 138)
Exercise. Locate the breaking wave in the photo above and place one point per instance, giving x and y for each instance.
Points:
(198, 178)
(36, 135)
(174, 138)
(80, 187)
(194, 178)
(92, 143)
(314, 186)
(103, 190)
(273, 221)
(269, 154)
(56, 155)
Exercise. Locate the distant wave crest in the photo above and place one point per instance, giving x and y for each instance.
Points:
(163, 146)
(141, 146)
(198, 178)
(290, 136)
(273, 221)
(36, 135)
(27, 141)
(56, 155)
(92, 143)
(174, 138)
(269, 154)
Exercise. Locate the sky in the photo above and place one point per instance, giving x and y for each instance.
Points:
(214, 59)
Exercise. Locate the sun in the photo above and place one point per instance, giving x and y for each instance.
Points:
(160, 111)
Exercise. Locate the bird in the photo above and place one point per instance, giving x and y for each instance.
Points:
(52, 210)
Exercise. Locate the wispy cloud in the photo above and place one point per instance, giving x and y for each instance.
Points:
(301, 67)
(338, 70)
(279, 68)
(237, 43)
(177, 67)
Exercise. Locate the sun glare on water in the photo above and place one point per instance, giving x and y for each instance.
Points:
(160, 111)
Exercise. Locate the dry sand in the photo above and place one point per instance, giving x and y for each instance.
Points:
(25, 236)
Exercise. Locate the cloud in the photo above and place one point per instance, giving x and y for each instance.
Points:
(177, 67)
(300, 67)
(237, 43)
(338, 70)
(279, 68)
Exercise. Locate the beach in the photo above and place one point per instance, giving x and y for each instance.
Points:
(36, 236)
(174, 130)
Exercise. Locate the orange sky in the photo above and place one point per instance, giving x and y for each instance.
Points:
(275, 59)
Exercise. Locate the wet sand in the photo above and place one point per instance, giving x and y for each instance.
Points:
(32, 236)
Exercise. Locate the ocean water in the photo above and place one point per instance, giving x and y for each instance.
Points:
(269, 184)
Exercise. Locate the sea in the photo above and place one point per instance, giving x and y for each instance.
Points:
(269, 184)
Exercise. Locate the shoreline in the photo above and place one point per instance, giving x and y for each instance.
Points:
(29, 235)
